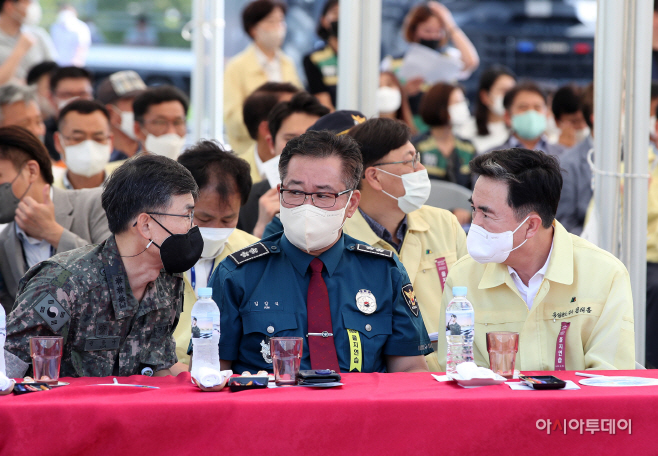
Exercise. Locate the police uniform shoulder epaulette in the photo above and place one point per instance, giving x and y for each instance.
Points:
(249, 253)
(373, 250)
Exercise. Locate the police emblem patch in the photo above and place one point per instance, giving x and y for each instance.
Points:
(410, 298)
(265, 351)
(365, 302)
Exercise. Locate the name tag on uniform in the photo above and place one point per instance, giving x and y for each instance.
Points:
(104, 343)
(442, 268)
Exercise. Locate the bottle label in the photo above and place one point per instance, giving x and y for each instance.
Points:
(204, 324)
(459, 323)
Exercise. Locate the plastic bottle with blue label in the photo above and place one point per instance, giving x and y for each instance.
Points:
(460, 325)
(205, 333)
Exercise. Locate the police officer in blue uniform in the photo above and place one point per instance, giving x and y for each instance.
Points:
(278, 287)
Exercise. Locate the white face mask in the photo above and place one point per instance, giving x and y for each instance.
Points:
(169, 145)
(62, 103)
(485, 247)
(581, 134)
(33, 14)
(388, 99)
(214, 240)
(127, 122)
(311, 228)
(417, 188)
(270, 39)
(459, 113)
(87, 158)
(271, 170)
(497, 106)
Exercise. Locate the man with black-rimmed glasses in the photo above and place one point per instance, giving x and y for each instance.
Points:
(353, 304)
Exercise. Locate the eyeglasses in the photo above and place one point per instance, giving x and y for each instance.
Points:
(162, 125)
(414, 161)
(320, 199)
(77, 139)
(189, 216)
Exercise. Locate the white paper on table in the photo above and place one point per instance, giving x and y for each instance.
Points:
(519, 386)
(423, 62)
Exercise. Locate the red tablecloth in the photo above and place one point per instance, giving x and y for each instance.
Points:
(376, 414)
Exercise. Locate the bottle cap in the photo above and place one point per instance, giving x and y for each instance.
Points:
(205, 292)
(459, 291)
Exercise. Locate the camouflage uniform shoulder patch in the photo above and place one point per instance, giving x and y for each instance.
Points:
(249, 253)
(52, 312)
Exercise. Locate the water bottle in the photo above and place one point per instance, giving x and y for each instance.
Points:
(205, 333)
(460, 321)
(3, 336)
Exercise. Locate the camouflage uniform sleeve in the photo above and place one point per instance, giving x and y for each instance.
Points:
(42, 308)
(168, 356)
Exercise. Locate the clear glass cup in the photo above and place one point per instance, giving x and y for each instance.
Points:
(46, 353)
(502, 347)
(286, 357)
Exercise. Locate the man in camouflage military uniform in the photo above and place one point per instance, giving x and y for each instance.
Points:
(113, 304)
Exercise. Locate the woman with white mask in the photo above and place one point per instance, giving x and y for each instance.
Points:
(392, 214)
(495, 82)
(445, 154)
(392, 100)
(224, 184)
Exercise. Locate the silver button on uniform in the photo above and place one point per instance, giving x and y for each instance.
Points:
(368, 328)
(270, 329)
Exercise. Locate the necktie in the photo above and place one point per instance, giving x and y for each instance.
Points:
(320, 339)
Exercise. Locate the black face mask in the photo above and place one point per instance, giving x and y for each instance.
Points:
(333, 28)
(432, 44)
(9, 200)
(179, 252)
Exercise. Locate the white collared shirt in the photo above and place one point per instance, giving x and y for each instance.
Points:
(259, 162)
(529, 292)
(202, 271)
(272, 67)
(34, 249)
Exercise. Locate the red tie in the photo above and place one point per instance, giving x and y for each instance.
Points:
(321, 348)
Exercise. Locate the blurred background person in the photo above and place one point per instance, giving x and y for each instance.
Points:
(262, 61)
(160, 120)
(321, 66)
(71, 37)
(568, 114)
(287, 120)
(18, 106)
(256, 108)
(224, 185)
(84, 142)
(66, 85)
(117, 92)
(22, 43)
(526, 113)
(39, 78)
(392, 102)
(491, 128)
(142, 33)
(445, 155)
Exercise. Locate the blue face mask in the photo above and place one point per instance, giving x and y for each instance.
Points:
(529, 125)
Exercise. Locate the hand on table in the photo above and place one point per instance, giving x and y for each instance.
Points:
(213, 389)
(38, 219)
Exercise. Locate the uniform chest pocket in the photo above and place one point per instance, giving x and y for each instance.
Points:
(368, 325)
(436, 261)
(268, 323)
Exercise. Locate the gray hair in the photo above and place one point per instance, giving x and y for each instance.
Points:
(13, 93)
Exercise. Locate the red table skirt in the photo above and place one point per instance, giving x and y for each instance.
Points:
(377, 414)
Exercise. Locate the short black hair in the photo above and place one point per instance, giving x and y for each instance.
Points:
(18, 145)
(144, 183)
(322, 144)
(157, 95)
(587, 103)
(534, 180)
(258, 105)
(211, 164)
(68, 72)
(82, 107)
(303, 102)
(258, 10)
(379, 136)
(567, 100)
(524, 86)
(38, 70)
(487, 79)
(320, 30)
